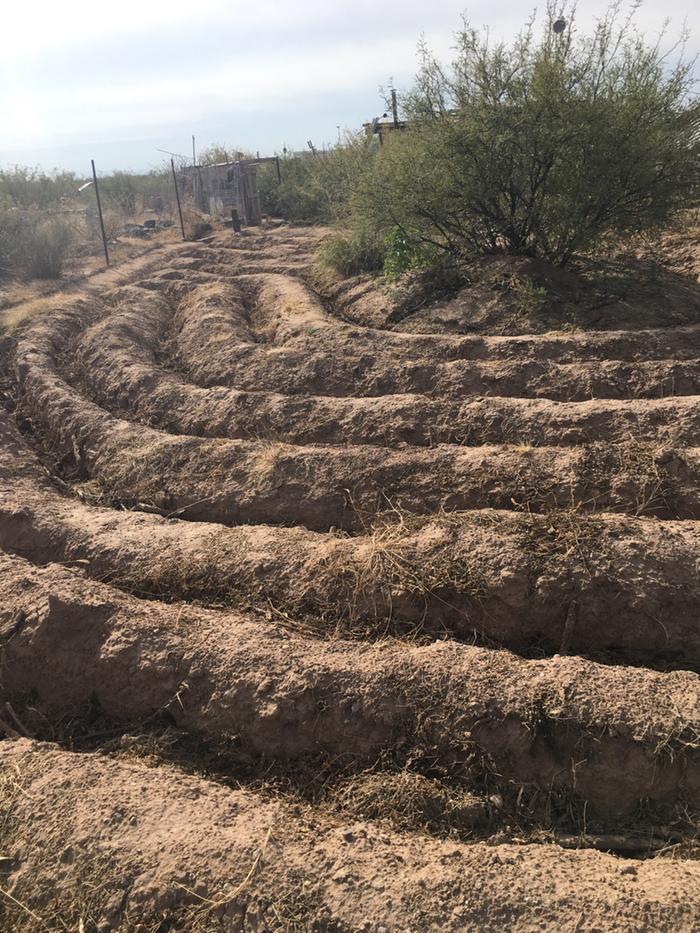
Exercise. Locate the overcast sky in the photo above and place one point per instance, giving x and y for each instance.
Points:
(83, 78)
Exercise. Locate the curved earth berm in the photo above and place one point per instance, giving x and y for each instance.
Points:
(318, 619)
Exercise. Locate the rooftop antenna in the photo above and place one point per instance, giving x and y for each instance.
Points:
(168, 152)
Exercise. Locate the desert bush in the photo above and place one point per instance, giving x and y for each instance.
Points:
(49, 246)
(352, 254)
(539, 147)
(222, 152)
(13, 225)
(33, 244)
(113, 221)
(43, 217)
(128, 193)
(119, 191)
(299, 197)
(155, 189)
(316, 188)
(25, 187)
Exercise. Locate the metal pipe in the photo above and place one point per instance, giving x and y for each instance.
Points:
(99, 211)
(395, 109)
(177, 198)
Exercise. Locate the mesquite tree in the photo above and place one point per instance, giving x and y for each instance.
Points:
(540, 146)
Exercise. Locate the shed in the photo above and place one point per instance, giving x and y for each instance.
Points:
(223, 186)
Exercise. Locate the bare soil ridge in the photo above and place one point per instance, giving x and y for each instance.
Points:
(320, 560)
(206, 857)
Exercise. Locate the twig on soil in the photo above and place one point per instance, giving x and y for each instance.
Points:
(221, 902)
(20, 725)
(23, 907)
(569, 626)
(607, 843)
(118, 730)
(184, 508)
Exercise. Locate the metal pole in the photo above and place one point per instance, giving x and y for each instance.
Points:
(177, 198)
(395, 109)
(194, 173)
(99, 211)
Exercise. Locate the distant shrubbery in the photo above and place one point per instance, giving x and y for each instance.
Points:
(25, 187)
(222, 152)
(316, 188)
(539, 147)
(43, 216)
(545, 146)
(31, 188)
(33, 244)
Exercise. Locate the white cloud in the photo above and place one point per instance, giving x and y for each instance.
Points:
(174, 61)
(32, 28)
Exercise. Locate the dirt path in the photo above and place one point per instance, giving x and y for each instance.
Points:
(132, 259)
(289, 601)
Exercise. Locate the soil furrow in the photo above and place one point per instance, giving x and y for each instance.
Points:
(180, 850)
(609, 736)
(338, 553)
(504, 577)
(117, 360)
(308, 352)
(325, 486)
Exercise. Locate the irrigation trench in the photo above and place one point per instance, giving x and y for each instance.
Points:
(313, 625)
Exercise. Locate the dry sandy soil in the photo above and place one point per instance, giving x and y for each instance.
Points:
(319, 613)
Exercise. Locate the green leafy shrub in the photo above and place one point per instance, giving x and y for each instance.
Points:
(300, 196)
(539, 147)
(405, 251)
(353, 254)
(316, 188)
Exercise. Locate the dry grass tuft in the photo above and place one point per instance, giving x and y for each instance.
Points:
(213, 294)
(403, 561)
(26, 310)
(411, 802)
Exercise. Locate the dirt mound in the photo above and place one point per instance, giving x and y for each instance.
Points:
(177, 852)
(272, 564)
(283, 695)
(644, 284)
